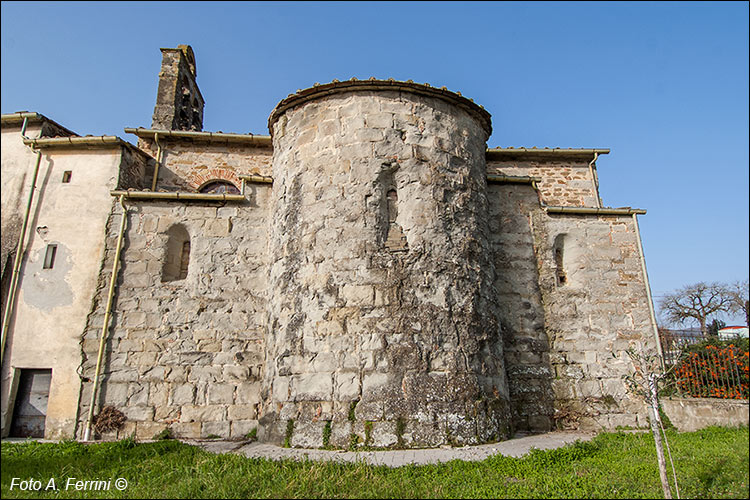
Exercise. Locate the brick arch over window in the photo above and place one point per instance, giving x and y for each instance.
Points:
(199, 178)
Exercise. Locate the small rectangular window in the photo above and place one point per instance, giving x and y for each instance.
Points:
(49, 257)
(66, 176)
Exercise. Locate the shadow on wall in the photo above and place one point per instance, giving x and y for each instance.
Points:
(526, 346)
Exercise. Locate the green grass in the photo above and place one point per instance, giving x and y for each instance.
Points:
(712, 463)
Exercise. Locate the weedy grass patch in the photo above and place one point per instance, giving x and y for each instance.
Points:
(712, 463)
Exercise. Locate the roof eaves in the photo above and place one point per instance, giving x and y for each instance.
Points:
(251, 139)
(500, 153)
(18, 117)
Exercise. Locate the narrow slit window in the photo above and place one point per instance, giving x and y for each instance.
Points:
(562, 276)
(49, 257)
(184, 260)
(66, 176)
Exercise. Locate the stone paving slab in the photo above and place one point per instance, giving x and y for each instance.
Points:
(515, 447)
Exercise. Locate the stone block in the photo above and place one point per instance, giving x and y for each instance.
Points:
(312, 387)
(138, 394)
(217, 227)
(221, 393)
(347, 386)
(148, 430)
(236, 373)
(247, 393)
(239, 429)
(115, 394)
(186, 430)
(307, 434)
(379, 120)
(372, 383)
(138, 413)
(183, 394)
(242, 412)
(167, 413)
(202, 413)
(215, 429)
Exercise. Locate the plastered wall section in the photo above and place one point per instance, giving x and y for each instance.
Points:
(692, 414)
(563, 183)
(53, 304)
(593, 318)
(186, 354)
(187, 165)
(18, 162)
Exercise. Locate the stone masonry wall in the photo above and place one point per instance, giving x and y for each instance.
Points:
(385, 345)
(526, 345)
(184, 354)
(133, 169)
(186, 165)
(563, 183)
(594, 317)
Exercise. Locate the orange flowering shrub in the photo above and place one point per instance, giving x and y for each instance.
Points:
(714, 371)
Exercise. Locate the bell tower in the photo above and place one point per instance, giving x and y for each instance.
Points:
(179, 103)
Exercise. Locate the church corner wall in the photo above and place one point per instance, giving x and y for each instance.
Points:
(593, 317)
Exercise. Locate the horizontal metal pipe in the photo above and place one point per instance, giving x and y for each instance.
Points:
(257, 178)
(594, 211)
(96, 141)
(20, 117)
(150, 195)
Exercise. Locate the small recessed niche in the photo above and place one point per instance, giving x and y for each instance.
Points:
(49, 256)
(66, 176)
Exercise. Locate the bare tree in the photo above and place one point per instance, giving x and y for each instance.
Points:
(696, 302)
(646, 381)
(738, 299)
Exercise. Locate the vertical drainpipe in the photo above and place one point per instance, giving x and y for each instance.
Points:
(648, 291)
(10, 302)
(594, 181)
(107, 313)
(158, 161)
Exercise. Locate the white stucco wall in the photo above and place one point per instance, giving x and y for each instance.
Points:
(52, 304)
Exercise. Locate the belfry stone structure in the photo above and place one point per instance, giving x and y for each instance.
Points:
(370, 273)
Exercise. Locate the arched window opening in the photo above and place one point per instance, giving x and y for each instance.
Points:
(177, 255)
(559, 248)
(396, 240)
(218, 187)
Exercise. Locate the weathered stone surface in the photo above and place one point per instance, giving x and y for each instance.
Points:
(379, 284)
(435, 306)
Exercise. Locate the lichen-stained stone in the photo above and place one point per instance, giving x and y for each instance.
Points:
(349, 297)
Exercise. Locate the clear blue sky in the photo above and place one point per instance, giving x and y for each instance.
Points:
(663, 85)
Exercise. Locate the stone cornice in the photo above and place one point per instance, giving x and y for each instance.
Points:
(337, 87)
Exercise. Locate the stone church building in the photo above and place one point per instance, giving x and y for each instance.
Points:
(369, 272)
